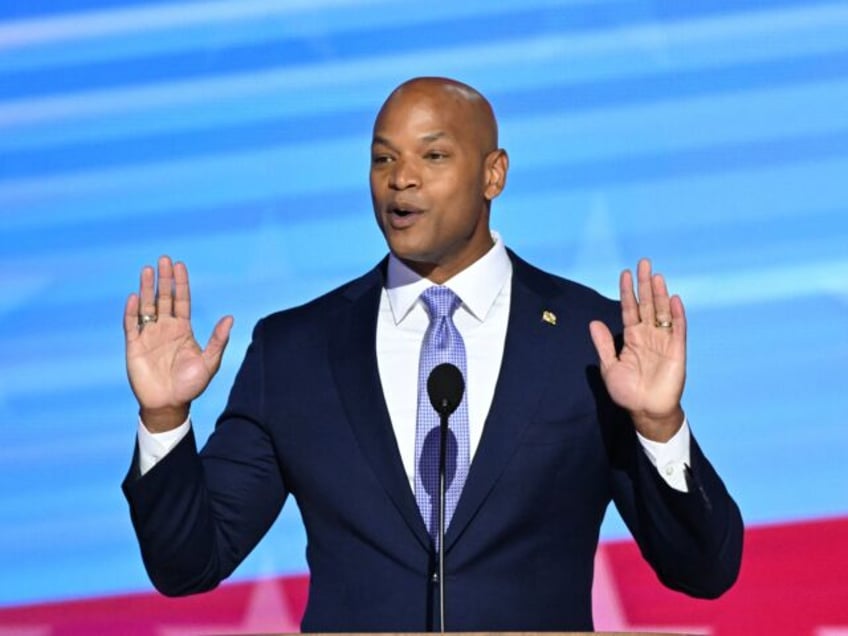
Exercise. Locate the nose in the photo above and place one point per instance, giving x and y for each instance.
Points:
(404, 175)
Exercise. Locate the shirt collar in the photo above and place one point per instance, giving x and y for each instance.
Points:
(478, 285)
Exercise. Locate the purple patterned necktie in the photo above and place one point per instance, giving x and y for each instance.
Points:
(442, 343)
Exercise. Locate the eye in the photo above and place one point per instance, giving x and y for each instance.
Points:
(435, 155)
(379, 159)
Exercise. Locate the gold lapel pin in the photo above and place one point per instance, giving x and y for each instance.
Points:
(549, 317)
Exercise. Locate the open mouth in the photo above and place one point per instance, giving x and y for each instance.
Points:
(403, 209)
(401, 217)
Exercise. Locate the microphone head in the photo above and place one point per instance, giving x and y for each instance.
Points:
(445, 386)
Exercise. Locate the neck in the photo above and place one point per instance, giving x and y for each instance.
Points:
(439, 273)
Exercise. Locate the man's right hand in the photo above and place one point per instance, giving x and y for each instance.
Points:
(166, 367)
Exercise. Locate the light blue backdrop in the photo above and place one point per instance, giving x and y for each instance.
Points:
(711, 136)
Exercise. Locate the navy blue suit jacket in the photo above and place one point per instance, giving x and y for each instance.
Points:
(306, 417)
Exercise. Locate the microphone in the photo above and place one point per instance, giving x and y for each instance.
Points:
(445, 386)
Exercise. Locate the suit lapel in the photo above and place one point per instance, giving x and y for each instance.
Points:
(353, 359)
(522, 380)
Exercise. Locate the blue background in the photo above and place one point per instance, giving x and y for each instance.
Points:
(711, 136)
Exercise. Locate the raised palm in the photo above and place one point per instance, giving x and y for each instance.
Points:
(166, 366)
(647, 375)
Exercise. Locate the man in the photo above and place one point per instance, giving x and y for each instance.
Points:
(557, 420)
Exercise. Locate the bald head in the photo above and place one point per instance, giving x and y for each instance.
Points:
(464, 104)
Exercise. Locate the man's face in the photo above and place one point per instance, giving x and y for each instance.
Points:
(431, 181)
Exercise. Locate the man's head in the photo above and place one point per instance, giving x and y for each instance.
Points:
(435, 168)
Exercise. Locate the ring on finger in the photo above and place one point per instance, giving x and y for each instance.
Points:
(663, 324)
(144, 319)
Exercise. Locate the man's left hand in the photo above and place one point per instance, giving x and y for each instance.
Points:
(647, 376)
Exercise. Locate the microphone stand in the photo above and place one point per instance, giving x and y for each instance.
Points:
(443, 434)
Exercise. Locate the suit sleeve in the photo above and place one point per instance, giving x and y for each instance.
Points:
(692, 540)
(198, 515)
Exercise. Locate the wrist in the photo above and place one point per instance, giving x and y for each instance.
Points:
(160, 420)
(659, 428)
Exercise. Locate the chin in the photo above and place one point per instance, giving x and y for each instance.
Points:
(405, 249)
(415, 260)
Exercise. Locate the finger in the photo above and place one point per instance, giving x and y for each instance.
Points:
(131, 317)
(182, 292)
(217, 343)
(603, 341)
(164, 291)
(678, 317)
(629, 306)
(662, 303)
(646, 296)
(147, 292)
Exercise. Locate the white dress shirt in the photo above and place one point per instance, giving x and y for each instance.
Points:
(481, 319)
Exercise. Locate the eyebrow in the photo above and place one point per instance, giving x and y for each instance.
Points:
(428, 138)
(434, 136)
(382, 140)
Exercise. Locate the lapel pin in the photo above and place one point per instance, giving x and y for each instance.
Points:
(549, 317)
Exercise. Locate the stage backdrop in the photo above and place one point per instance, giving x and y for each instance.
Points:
(711, 136)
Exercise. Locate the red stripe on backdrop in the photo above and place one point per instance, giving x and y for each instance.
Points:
(794, 581)
(266, 605)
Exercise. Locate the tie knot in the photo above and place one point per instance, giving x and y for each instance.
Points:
(440, 301)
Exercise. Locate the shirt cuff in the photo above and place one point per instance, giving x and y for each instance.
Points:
(152, 447)
(670, 458)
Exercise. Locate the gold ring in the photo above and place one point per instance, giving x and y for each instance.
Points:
(143, 319)
(663, 324)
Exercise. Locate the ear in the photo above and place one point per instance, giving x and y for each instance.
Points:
(496, 167)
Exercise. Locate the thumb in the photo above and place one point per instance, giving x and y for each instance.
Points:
(214, 350)
(604, 345)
